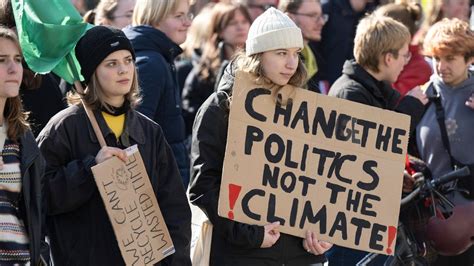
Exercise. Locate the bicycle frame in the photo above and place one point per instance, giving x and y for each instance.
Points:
(406, 250)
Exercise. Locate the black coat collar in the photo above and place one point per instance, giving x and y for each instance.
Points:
(381, 90)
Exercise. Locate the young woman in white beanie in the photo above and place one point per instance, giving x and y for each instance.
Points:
(272, 54)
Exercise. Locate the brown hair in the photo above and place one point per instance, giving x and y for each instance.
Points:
(450, 37)
(408, 13)
(103, 14)
(376, 36)
(94, 97)
(221, 16)
(105, 9)
(13, 112)
(291, 6)
(6, 14)
(89, 16)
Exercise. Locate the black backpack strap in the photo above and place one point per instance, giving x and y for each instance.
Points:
(440, 117)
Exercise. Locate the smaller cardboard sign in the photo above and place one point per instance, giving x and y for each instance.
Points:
(133, 210)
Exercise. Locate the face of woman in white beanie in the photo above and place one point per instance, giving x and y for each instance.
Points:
(279, 40)
(281, 64)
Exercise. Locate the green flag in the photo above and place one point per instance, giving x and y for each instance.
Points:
(48, 31)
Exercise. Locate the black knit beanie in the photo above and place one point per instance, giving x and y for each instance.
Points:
(96, 45)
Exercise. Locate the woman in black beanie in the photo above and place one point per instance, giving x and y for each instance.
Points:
(79, 229)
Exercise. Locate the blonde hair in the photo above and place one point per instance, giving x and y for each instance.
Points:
(376, 36)
(152, 12)
(450, 37)
(94, 97)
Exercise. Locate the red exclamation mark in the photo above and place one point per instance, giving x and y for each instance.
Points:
(234, 191)
(392, 232)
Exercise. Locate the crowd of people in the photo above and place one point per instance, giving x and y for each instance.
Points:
(160, 74)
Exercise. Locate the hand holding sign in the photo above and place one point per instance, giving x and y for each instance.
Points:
(271, 235)
(315, 246)
(107, 152)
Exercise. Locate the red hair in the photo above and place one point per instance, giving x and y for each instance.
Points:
(450, 37)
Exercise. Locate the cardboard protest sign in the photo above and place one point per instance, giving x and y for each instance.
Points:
(315, 163)
(133, 210)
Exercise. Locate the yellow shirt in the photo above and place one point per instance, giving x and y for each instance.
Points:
(309, 61)
(115, 123)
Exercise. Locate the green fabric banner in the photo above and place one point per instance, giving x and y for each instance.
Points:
(48, 31)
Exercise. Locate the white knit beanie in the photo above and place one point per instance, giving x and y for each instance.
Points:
(272, 30)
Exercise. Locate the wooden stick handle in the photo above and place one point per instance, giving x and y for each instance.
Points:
(91, 116)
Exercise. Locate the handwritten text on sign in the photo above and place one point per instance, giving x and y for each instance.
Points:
(314, 162)
(133, 210)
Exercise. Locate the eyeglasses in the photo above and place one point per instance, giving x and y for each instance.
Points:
(406, 56)
(262, 7)
(185, 17)
(317, 17)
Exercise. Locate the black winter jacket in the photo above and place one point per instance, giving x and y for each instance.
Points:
(233, 243)
(79, 228)
(161, 94)
(357, 85)
(196, 90)
(43, 102)
(184, 66)
(31, 201)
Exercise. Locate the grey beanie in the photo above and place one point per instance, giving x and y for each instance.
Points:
(272, 30)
